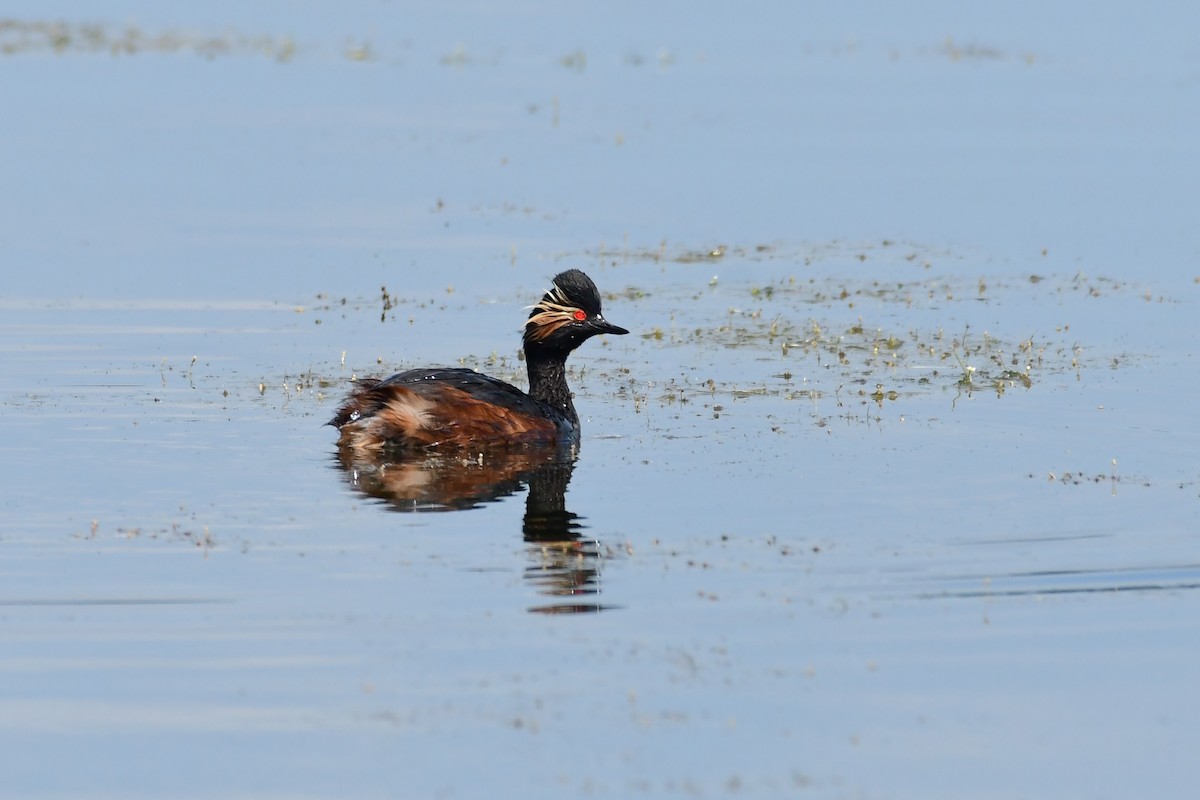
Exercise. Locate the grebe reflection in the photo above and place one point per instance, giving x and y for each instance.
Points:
(564, 565)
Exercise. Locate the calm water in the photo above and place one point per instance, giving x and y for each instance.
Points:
(892, 492)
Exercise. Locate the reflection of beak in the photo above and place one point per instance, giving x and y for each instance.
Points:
(600, 325)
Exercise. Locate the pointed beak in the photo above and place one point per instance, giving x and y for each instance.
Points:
(600, 325)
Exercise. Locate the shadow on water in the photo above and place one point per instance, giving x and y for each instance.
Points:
(563, 564)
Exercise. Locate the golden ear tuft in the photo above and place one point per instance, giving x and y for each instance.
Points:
(549, 315)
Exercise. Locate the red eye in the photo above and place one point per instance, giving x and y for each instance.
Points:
(580, 315)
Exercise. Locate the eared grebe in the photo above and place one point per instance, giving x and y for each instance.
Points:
(457, 409)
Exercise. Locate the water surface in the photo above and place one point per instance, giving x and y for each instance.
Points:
(892, 492)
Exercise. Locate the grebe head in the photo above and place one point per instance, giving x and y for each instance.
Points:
(567, 315)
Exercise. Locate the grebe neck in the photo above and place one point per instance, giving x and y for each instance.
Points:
(548, 382)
